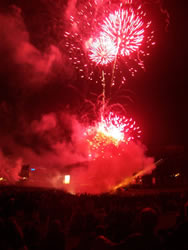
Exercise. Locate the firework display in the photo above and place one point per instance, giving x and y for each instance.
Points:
(83, 139)
(103, 31)
(110, 38)
(105, 37)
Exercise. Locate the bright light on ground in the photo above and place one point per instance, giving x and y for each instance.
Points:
(66, 179)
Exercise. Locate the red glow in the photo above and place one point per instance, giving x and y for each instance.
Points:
(102, 50)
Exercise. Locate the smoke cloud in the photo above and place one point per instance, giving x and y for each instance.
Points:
(71, 8)
(102, 175)
(63, 150)
(9, 168)
(20, 55)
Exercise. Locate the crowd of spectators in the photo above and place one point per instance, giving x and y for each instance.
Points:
(36, 218)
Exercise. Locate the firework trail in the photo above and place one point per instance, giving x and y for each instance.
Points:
(103, 51)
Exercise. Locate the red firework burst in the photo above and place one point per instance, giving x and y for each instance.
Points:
(103, 50)
(110, 132)
(126, 28)
(126, 25)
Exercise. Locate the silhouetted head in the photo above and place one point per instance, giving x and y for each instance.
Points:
(148, 219)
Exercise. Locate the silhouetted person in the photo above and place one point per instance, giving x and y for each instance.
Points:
(55, 237)
(145, 238)
(178, 239)
(11, 235)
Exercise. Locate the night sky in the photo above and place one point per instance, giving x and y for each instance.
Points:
(30, 87)
(161, 95)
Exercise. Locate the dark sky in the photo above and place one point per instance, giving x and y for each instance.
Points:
(160, 96)
(161, 102)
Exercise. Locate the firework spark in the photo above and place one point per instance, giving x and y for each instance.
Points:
(102, 50)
